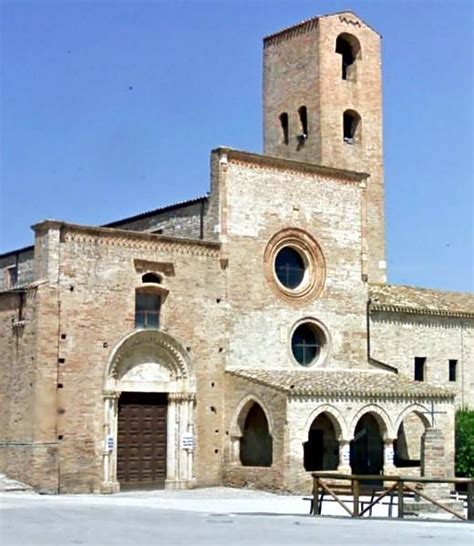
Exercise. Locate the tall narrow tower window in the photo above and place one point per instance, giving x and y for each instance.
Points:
(351, 129)
(348, 47)
(284, 127)
(304, 121)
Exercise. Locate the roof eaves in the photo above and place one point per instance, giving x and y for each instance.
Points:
(161, 210)
(22, 250)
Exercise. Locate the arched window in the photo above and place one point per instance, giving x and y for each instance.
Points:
(284, 127)
(351, 127)
(256, 442)
(147, 308)
(151, 278)
(303, 113)
(348, 47)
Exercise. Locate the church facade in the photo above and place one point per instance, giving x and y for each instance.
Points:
(246, 337)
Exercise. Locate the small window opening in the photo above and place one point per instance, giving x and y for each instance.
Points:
(420, 365)
(303, 113)
(351, 127)
(453, 364)
(151, 277)
(147, 310)
(348, 47)
(157, 231)
(284, 127)
(11, 276)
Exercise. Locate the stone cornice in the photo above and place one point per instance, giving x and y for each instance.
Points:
(381, 308)
(267, 161)
(129, 238)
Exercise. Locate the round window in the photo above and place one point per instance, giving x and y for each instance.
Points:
(294, 265)
(290, 267)
(306, 344)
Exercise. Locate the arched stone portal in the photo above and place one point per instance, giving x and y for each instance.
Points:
(367, 447)
(149, 377)
(321, 451)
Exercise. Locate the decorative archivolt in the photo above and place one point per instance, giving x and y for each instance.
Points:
(240, 414)
(381, 416)
(417, 409)
(134, 355)
(335, 416)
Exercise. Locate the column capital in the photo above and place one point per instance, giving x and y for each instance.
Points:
(111, 395)
(181, 396)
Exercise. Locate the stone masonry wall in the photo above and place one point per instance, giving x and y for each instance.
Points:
(184, 220)
(24, 261)
(260, 201)
(397, 338)
(239, 391)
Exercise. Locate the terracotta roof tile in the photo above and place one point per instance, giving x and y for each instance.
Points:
(409, 299)
(342, 382)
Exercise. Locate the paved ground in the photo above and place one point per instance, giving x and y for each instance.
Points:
(218, 516)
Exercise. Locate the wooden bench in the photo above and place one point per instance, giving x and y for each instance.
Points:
(347, 490)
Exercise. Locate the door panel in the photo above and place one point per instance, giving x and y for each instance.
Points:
(141, 440)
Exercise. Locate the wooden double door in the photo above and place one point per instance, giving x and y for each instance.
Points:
(141, 440)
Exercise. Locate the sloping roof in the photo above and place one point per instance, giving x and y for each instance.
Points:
(312, 21)
(409, 299)
(342, 383)
(154, 212)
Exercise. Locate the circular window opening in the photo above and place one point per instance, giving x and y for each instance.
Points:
(306, 344)
(290, 267)
(294, 265)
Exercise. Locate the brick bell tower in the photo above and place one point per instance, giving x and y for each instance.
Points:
(322, 101)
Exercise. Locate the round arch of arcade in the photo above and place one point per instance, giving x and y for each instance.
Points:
(417, 409)
(325, 439)
(381, 416)
(150, 365)
(335, 416)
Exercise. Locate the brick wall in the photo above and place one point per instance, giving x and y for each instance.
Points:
(396, 338)
(259, 201)
(301, 67)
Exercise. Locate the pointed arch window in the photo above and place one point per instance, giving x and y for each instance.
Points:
(256, 443)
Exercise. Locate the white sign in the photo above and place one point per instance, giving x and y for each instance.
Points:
(187, 441)
(110, 443)
(346, 454)
(389, 454)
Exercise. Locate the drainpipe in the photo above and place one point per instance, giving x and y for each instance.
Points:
(369, 357)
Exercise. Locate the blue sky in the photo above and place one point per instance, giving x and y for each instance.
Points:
(109, 109)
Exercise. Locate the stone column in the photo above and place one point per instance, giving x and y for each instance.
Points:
(433, 462)
(180, 427)
(388, 454)
(109, 453)
(171, 441)
(344, 457)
